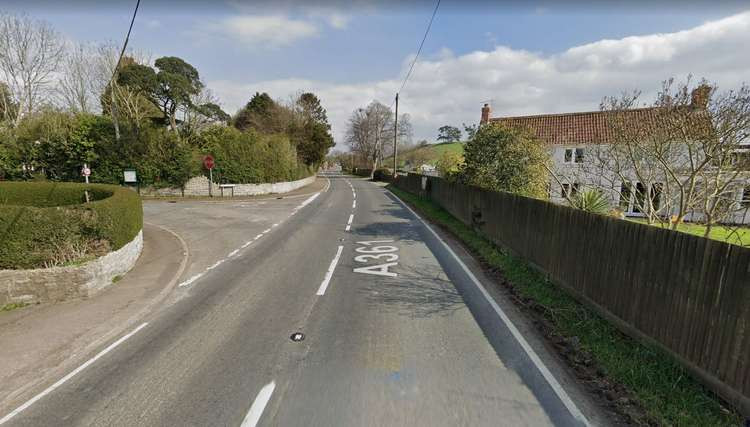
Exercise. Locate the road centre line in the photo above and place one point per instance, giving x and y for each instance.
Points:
(349, 223)
(329, 273)
(551, 380)
(259, 404)
(354, 204)
(64, 379)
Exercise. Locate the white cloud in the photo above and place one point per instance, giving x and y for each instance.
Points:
(261, 30)
(338, 20)
(154, 23)
(450, 89)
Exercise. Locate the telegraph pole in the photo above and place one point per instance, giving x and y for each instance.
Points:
(395, 139)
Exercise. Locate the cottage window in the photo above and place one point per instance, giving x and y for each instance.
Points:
(568, 155)
(565, 190)
(579, 155)
(746, 197)
(625, 197)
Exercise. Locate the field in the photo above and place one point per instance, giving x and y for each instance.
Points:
(428, 154)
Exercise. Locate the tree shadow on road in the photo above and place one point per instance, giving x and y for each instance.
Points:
(418, 292)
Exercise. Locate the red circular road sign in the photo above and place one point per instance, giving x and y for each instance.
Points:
(208, 162)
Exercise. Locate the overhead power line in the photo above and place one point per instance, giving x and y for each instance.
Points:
(414, 61)
(117, 67)
(127, 38)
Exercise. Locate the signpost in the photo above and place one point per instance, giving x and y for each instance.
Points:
(208, 163)
(130, 178)
(86, 172)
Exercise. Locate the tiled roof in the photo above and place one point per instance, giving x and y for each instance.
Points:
(575, 128)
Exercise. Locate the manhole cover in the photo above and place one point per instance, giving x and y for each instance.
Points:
(297, 336)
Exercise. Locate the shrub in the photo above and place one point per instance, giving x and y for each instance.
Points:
(591, 201)
(252, 158)
(42, 224)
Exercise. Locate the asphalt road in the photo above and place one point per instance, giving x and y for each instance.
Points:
(396, 332)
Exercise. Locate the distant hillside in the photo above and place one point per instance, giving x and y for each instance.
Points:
(428, 154)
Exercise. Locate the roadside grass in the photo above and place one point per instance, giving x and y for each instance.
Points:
(13, 306)
(735, 235)
(665, 393)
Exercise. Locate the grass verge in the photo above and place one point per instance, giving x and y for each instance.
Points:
(13, 306)
(638, 381)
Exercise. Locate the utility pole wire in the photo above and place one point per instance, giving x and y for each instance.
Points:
(427, 31)
(408, 74)
(117, 67)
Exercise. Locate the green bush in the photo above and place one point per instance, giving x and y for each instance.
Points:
(252, 158)
(47, 223)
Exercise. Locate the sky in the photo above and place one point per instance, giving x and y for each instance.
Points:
(521, 57)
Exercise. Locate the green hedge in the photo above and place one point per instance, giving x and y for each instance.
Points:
(42, 223)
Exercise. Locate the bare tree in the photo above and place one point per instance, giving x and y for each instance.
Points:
(368, 130)
(74, 86)
(30, 52)
(683, 158)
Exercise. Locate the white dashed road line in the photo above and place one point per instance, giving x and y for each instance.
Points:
(259, 404)
(235, 252)
(349, 223)
(329, 273)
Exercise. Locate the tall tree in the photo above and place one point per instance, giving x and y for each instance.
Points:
(368, 130)
(73, 86)
(257, 114)
(177, 81)
(449, 134)
(314, 137)
(30, 52)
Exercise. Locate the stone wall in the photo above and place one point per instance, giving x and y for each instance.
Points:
(63, 283)
(198, 186)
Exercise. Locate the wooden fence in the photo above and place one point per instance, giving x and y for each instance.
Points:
(688, 295)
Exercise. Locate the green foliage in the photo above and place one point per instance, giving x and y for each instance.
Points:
(471, 131)
(449, 164)
(39, 222)
(503, 159)
(449, 134)
(591, 200)
(665, 391)
(259, 114)
(250, 157)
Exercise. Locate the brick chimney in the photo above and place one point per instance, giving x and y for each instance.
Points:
(485, 114)
(699, 97)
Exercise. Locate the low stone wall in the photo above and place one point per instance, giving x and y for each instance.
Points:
(198, 186)
(63, 283)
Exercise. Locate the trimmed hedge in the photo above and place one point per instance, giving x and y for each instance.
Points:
(41, 221)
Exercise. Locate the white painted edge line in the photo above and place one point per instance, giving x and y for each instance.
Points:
(73, 373)
(329, 273)
(551, 380)
(234, 252)
(354, 204)
(259, 404)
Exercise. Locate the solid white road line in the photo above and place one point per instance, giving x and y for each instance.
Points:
(62, 380)
(551, 380)
(329, 273)
(259, 404)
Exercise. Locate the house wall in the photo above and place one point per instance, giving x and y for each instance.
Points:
(589, 175)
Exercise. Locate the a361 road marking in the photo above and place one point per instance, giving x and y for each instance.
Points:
(376, 253)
